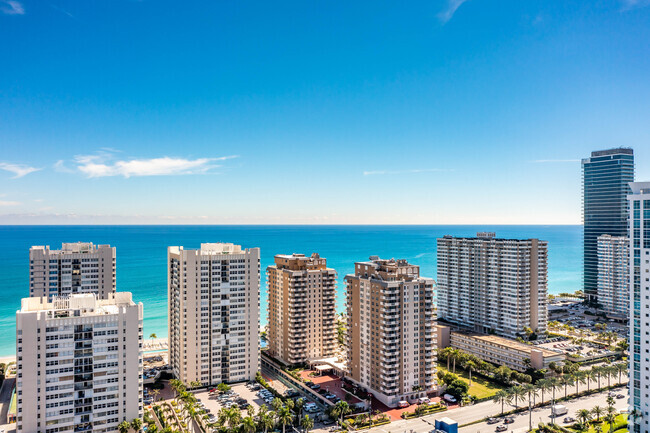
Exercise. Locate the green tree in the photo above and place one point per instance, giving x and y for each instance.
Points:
(501, 397)
(341, 409)
(583, 416)
(124, 426)
(266, 421)
(470, 366)
(307, 424)
(597, 411)
(136, 424)
(517, 394)
(248, 425)
(276, 404)
(284, 417)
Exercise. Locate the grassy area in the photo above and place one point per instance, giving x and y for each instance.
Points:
(481, 387)
(620, 425)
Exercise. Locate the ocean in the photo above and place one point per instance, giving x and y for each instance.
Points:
(142, 255)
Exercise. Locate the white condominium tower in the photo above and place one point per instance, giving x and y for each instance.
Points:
(639, 233)
(614, 274)
(302, 308)
(493, 285)
(76, 268)
(391, 338)
(214, 313)
(79, 363)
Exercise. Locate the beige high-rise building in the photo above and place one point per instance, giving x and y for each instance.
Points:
(79, 363)
(302, 308)
(391, 333)
(214, 313)
(80, 267)
(493, 285)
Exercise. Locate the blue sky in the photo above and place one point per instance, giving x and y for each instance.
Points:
(239, 112)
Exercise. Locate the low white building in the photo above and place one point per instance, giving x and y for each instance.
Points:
(79, 363)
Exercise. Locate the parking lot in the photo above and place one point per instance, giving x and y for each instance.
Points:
(214, 403)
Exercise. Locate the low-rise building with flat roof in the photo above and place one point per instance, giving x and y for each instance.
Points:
(498, 350)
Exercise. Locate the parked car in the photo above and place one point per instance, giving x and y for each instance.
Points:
(450, 398)
(620, 396)
(403, 403)
(569, 420)
(315, 386)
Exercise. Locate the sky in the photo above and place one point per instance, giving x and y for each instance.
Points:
(318, 112)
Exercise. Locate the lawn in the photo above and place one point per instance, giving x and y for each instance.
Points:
(620, 425)
(481, 387)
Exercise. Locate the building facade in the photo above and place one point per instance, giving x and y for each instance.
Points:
(491, 285)
(391, 343)
(79, 363)
(80, 267)
(214, 313)
(498, 350)
(614, 274)
(605, 178)
(639, 233)
(301, 308)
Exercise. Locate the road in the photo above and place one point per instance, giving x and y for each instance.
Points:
(485, 409)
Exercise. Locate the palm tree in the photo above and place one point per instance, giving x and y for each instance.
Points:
(341, 409)
(298, 407)
(124, 426)
(284, 417)
(531, 390)
(470, 365)
(455, 354)
(136, 424)
(565, 381)
(517, 394)
(501, 396)
(155, 393)
(588, 374)
(597, 411)
(543, 385)
(583, 415)
(248, 425)
(610, 418)
(598, 371)
(621, 368)
(266, 421)
(153, 336)
(579, 377)
(307, 424)
(276, 404)
(610, 401)
(233, 416)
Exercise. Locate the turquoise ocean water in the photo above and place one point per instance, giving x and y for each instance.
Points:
(142, 255)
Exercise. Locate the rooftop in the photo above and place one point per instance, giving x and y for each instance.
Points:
(87, 304)
(614, 151)
(73, 248)
(506, 342)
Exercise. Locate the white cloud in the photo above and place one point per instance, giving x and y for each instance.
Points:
(11, 7)
(450, 10)
(18, 170)
(98, 166)
(417, 170)
(545, 161)
(9, 203)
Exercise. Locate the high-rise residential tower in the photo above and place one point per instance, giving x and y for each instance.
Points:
(614, 274)
(605, 178)
(214, 313)
(493, 285)
(390, 331)
(639, 233)
(79, 363)
(302, 308)
(76, 268)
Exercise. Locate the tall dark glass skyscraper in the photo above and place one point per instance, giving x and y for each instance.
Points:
(605, 179)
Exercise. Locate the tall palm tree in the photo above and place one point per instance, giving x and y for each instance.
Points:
(284, 417)
(266, 421)
(588, 374)
(598, 372)
(276, 404)
(153, 337)
(610, 418)
(124, 426)
(566, 380)
(136, 424)
(597, 411)
(621, 368)
(470, 365)
(307, 424)
(502, 396)
(579, 378)
(543, 385)
(233, 415)
(583, 415)
(155, 393)
(517, 394)
(341, 409)
(531, 391)
(248, 425)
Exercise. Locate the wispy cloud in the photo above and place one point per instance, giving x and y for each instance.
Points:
(545, 161)
(63, 11)
(11, 7)
(9, 203)
(417, 170)
(634, 4)
(18, 170)
(101, 165)
(451, 7)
